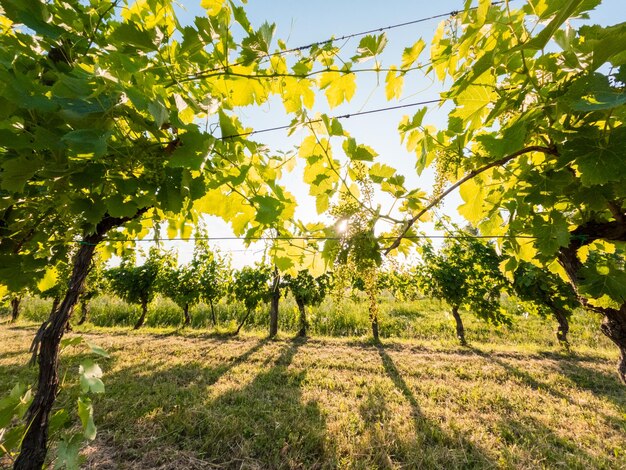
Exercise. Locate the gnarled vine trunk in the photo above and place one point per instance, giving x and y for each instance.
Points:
(144, 313)
(563, 328)
(187, 320)
(84, 311)
(303, 322)
(243, 321)
(614, 322)
(46, 348)
(274, 300)
(614, 327)
(373, 308)
(460, 329)
(55, 305)
(213, 313)
(15, 308)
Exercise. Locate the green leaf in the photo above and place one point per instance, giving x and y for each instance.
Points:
(594, 93)
(597, 283)
(100, 351)
(472, 103)
(191, 151)
(12, 439)
(129, 34)
(14, 405)
(411, 54)
(87, 141)
(67, 342)
(472, 192)
(379, 172)
(239, 13)
(394, 83)
(268, 209)
(17, 171)
(540, 41)
(603, 44)
(370, 46)
(228, 125)
(598, 161)
(90, 374)
(257, 44)
(85, 413)
(552, 233)
(358, 152)
(339, 87)
(32, 14)
(159, 112)
(322, 203)
(49, 279)
(118, 207)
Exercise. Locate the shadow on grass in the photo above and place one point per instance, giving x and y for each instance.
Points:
(599, 383)
(255, 419)
(593, 380)
(432, 447)
(526, 439)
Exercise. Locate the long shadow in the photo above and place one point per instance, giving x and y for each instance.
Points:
(599, 383)
(521, 375)
(437, 449)
(266, 424)
(516, 430)
(524, 435)
(178, 411)
(595, 381)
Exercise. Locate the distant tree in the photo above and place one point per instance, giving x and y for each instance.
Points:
(400, 283)
(182, 285)
(548, 294)
(465, 273)
(213, 271)
(138, 284)
(251, 285)
(354, 250)
(307, 290)
(14, 300)
(95, 284)
(275, 291)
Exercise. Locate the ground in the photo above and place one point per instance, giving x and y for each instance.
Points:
(195, 400)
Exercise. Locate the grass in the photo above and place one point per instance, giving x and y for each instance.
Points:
(423, 319)
(201, 399)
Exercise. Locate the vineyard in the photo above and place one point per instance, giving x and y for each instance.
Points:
(372, 325)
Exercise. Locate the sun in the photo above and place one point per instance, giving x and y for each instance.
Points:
(341, 226)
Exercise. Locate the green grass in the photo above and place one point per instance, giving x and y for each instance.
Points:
(424, 319)
(197, 398)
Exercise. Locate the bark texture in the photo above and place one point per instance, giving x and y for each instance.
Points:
(45, 348)
(144, 313)
(186, 315)
(460, 329)
(304, 325)
(563, 328)
(84, 311)
(274, 300)
(243, 321)
(15, 308)
(614, 327)
(213, 313)
(55, 304)
(614, 322)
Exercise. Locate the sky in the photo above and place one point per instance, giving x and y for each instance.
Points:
(303, 22)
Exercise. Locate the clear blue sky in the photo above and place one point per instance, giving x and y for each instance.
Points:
(303, 22)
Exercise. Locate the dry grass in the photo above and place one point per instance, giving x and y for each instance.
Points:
(201, 401)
